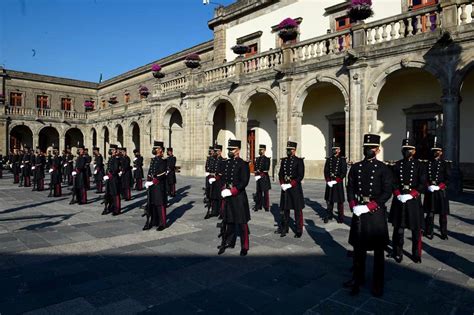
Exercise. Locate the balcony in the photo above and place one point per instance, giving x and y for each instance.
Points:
(46, 115)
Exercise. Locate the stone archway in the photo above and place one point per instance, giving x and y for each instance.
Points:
(73, 137)
(21, 136)
(119, 135)
(48, 138)
(93, 136)
(173, 126)
(105, 141)
(135, 136)
(222, 118)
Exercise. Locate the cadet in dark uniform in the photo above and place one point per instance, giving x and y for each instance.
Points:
(210, 168)
(112, 183)
(126, 178)
(436, 198)
(16, 166)
(291, 174)
(69, 166)
(156, 185)
(99, 171)
(216, 182)
(409, 181)
(88, 173)
(171, 177)
(55, 171)
(138, 170)
(26, 168)
(335, 171)
(79, 176)
(236, 211)
(262, 166)
(369, 187)
(40, 162)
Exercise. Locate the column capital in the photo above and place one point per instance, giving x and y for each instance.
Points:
(450, 97)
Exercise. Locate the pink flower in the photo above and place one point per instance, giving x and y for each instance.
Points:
(156, 68)
(287, 23)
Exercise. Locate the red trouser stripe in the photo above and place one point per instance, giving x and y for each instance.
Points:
(267, 199)
(84, 195)
(27, 181)
(245, 235)
(420, 244)
(139, 184)
(117, 204)
(163, 216)
(300, 221)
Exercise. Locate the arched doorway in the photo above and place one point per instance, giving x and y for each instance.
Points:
(323, 120)
(223, 123)
(174, 132)
(94, 137)
(261, 128)
(48, 138)
(73, 138)
(119, 131)
(106, 141)
(409, 101)
(466, 149)
(21, 136)
(136, 136)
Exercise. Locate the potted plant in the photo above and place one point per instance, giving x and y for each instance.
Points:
(143, 91)
(192, 61)
(113, 100)
(288, 29)
(360, 10)
(88, 105)
(156, 70)
(240, 49)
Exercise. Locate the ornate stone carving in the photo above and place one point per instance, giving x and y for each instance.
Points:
(355, 76)
(404, 62)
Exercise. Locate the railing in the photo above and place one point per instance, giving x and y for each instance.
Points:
(321, 46)
(74, 115)
(19, 111)
(405, 25)
(44, 113)
(465, 12)
(173, 85)
(263, 61)
(220, 73)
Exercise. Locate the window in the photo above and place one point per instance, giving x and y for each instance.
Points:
(66, 103)
(424, 133)
(343, 22)
(253, 50)
(42, 101)
(127, 97)
(15, 99)
(418, 4)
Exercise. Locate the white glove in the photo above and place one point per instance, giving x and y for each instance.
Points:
(257, 178)
(50, 170)
(359, 210)
(226, 193)
(33, 167)
(207, 174)
(65, 165)
(332, 183)
(22, 166)
(134, 169)
(120, 173)
(433, 188)
(404, 198)
(134, 159)
(211, 180)
(106, 177)
(95, 172)
(74, 173)
(285, 187)
(148, 184)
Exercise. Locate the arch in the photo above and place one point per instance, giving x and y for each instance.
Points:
(48, 137)
(216, 101)
(223, 122)
(105, 140)
(119, 135)
(93, 135)
(135, 135)
(20, 136)
(404, 106)
(257, 91)
(466, 128)
(465, 66)
(381, 78)
(302, 90)
(73, 137)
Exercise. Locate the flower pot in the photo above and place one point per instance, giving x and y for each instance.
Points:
(144, 94)
(288, 34)
(240, 49)
(158, 74)
(192, 64)
(360, 12)
(112, 101)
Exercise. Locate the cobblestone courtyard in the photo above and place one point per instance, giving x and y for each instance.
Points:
(62, 259)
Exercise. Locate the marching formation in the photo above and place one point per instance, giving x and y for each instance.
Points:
(369, 185)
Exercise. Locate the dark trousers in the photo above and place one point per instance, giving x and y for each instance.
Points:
(158, 216)
(27, 181)
(216, 207)
(40, 184)
(139, 184)
(398, 241)
(360, 256)
(443, 224)
(262, 199)
(57, 190)
(99, 186)
(81, 195)
(230, 234)
(171, 190)
(16, 178)
(340, 210)
(285, 220)
(126, 193)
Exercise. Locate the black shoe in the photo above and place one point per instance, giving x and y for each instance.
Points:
(208, 215)
(283, 233)
(221, 250)
(429, 236)
(116, 213)
(444, 237)
(340, 220)
(417, 260)
(326, 220)
(243, 252)
(298, 234)
(146, 227)
(278, 231)
(267, 210)
(160, 228)
(105, 212)
(398, 258)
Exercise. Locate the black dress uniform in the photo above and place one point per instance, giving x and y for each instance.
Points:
(436, 198)
(171, 177)
(335, 170)
(126, 179)
(112, 185)
(408, 179)
(138, 170)
(216, 186)
(262, 167)
(99, 171)
(369, 184)
(39, 164)
(69, 167)
(236, 210)
(291, 173)
(157, 199)
(209, 168)
(16, 167)
(26, 169)
(88, 173)
(80, 188)
(56, 177)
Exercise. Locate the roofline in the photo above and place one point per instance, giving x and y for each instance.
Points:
(49, 79)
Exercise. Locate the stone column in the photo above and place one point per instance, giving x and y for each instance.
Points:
(449, 14)
(62, 139)
(451, 121)
(241, 134)
(219, 44)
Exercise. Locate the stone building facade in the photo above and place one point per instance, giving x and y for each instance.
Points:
(409, 71)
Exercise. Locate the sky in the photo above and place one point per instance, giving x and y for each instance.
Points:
(80, 39)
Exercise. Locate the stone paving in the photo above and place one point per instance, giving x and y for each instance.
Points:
(62, 259)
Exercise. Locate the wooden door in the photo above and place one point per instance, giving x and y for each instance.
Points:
(251, 149)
